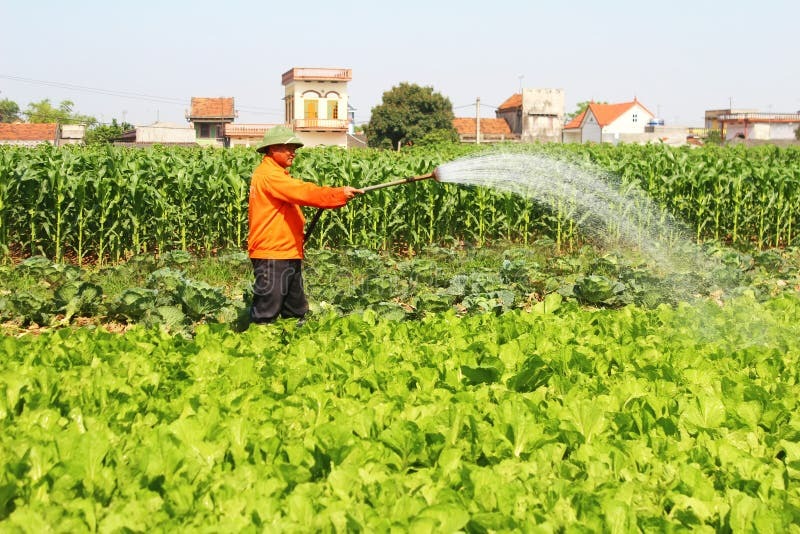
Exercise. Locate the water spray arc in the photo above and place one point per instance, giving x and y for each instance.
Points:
(616, 215)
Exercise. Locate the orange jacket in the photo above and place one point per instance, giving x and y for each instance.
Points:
(276, 220)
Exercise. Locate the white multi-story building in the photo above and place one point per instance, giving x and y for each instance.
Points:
(316, 104)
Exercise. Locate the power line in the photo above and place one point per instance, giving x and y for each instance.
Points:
(472, 105)
(134, 96)
(96, 90)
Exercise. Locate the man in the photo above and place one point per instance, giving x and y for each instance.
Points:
(275, 241)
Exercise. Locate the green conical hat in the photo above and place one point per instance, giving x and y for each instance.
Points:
(279, 135)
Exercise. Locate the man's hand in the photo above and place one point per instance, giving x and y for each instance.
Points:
(350, 192)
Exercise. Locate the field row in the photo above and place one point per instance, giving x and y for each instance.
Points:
(109, 203)
(178, 291)
(605, 420)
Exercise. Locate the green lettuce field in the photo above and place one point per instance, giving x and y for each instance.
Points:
(558, 418)
(471, 362)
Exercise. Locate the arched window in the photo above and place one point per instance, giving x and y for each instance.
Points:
(311, 104)
(333, 104)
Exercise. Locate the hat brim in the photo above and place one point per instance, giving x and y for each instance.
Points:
(263, 148)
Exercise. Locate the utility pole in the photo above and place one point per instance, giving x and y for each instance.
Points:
(478, 121)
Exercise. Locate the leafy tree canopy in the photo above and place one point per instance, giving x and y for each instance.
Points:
(580, 107)
(43, 111)
(714, 137)
(9, 111)
(105, 133)
(407, 114)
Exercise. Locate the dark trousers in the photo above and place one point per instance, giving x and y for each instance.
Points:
(278, 290)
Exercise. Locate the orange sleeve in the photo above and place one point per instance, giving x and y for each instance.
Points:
(294, 191)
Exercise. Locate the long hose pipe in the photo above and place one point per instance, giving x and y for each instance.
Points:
(408, 180)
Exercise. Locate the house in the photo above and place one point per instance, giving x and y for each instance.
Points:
(491, 130)
(759, 126)
(712, 118)
(158, 133)
(72, 134)
(610, 123)
(351, 119)
(534, 114)
(209, 117)
(247, 135)
(357, 140)
(316, 104)
(27, 134)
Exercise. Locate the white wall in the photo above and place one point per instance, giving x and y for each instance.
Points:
(542, 114)
(784, 130)
(299, 88)
(25, 143)
(323, 138)
(543, 102)
(632, 121)
(165, 132)
(762, 130)
(590, 130)
(72, 134)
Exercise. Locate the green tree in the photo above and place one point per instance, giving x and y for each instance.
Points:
(9, 111)
(43, 111)
(579, 108)
(105, 133)
(714, 137)
(407, 114)
(438, 137)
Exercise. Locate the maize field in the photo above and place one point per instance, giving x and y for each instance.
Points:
(105, 204)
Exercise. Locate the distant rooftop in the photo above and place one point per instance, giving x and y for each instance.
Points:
(466, 126)
(760, 117)
(512, 102)
(317, 74)
(23, 131)
(247, 130)
(212, 108)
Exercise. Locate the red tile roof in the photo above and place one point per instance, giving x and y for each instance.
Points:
(28, 132)
(466, 126)
(512, 102)
(694, 141)
(247, 130)
(608, 113)
(576, 122)
(207, 108)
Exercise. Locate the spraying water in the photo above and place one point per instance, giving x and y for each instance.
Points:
(613, 214)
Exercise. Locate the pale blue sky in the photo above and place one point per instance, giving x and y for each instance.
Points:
(142, 61)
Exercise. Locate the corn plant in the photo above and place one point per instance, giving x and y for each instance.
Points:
(106, 203)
